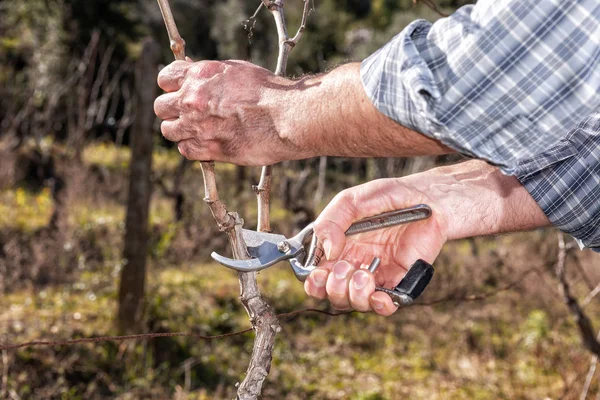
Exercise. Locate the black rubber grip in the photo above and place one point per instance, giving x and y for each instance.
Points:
(416, 279)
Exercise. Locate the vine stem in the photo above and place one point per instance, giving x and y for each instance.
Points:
(263, 318)
(263, 346)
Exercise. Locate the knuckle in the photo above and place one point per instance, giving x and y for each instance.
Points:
(194, 101)
(345, 198)
(162, 78)
(157, 106)
(207, 69)
(164, 129)
(188, 101)
(171, 74)
(343, 205)
(184, 149)
(326, 228)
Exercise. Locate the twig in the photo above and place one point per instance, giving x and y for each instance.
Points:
(591, 295)
(268, 325)
(569, 386)
(431, 4)
(307, 9)
(263, 195)
(584, 324)
(479, 296)
(4, 373)
(251, 22)
(581, 270)
(590, 375)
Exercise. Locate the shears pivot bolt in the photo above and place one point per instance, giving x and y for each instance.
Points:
(283, 246)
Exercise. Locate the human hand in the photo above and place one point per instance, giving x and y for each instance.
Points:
(344, 278)
(223, 111)
(467, 199)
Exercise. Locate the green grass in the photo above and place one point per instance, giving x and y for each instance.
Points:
(25, 210)
(418, 353)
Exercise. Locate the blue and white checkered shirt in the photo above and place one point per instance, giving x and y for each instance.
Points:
(515, 82)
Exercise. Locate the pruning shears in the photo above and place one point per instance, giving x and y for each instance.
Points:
(267, 249)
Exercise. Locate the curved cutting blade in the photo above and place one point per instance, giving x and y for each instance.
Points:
(262, 247)
(253, 264)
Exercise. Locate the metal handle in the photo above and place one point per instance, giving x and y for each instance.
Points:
(392, 218)
(380, 221)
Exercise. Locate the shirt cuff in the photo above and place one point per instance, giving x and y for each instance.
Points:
(395, 78)
(568, 191)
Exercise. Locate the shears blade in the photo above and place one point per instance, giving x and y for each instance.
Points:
(263, 250)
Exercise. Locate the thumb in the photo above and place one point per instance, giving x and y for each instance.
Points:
(333, 222)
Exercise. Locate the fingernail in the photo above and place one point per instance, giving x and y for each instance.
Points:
(360, 279)
(340, 270)
(327, 249)
(320, 278)
(377, 303)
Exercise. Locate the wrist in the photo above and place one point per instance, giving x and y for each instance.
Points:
(477, 200)
(287, 107)
(318, 114)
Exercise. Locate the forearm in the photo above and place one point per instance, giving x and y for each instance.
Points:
(331, 115)
(477, 199)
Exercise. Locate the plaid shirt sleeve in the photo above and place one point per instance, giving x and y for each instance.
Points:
(506, 81)
(569, 191)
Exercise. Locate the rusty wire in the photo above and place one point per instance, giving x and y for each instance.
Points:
(14, 346)
(286, 316)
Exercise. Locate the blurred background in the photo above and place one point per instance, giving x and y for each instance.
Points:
(82, 159)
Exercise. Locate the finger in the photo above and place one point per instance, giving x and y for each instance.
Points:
(314, 285)
(337, 285)
(362, 285)
(333, 222)
(193, 150)
(382, 304)
(166, 106)
(171, 77)
(172, 131)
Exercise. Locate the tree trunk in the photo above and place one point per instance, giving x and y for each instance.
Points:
(133, 276)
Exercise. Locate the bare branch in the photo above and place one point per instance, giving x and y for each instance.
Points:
(250, 23)
(264, 320)
(218, 209)
(479, 296)
(586, 278)
(99, 81)
(431, 4)
(590, 375)
(263, 190)
(583, 322)
(260, 363)
(591, 295)
(176, 41)
(307, 10)
(263, 194)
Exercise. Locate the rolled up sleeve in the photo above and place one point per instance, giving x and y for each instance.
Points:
(568, 190)
(502, 80)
